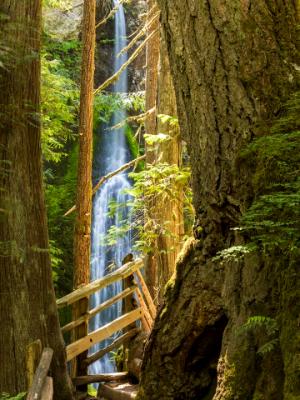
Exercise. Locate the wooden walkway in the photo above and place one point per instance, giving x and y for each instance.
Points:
(135, 290)
(145, 311)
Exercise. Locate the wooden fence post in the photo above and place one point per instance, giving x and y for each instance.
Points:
(128, 305)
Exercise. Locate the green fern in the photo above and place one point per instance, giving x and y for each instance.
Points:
(273, 219)
(259, 321)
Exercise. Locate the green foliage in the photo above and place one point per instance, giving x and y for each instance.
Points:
(60, 196)
(235, 252)
(152, 140)
(6, 396)
(259, 321)
(171, 120)
(59, 101)
(268, 347)
(61, 4)
(92, 391)
(106, 103)
(265, 325)
(274, 216)
(131, 141)
(164, 181)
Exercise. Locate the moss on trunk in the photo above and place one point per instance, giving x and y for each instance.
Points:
(233, 64)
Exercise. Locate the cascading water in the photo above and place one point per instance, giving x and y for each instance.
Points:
(111, 155)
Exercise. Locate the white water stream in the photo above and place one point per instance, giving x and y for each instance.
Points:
(112, 154)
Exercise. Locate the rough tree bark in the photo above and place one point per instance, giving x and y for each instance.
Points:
(152, 57)
(82, 238)
(27, 300)
(233, 64)
(160, 97)
(170, 215)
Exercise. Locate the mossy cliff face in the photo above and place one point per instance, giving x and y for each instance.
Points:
(233, 65)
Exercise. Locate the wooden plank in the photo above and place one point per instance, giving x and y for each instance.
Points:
(98, 309)
(74, 324)
(33, 356)
(101, 283)
(111, 301)
(145, 325)
(39, 379)
(86, 380)
(147, 294)
(47, 391)
(102, 333)
(116, 343)
(144, 308)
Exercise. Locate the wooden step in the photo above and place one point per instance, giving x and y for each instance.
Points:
(123, 391)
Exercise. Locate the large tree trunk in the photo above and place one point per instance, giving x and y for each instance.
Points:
(233, 64)
(82, 239)
(27, 301)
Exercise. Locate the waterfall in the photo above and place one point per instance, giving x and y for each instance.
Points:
(111, 155)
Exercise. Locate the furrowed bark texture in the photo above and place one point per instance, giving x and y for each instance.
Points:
(169, 211)
(152, 59)
(233, 65)
(82, 238)
(27, 300)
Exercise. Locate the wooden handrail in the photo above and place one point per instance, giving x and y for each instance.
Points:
(113, 377)
(81, 345)
(96, 310)
(116, 343)
(40, 377)
(101, 283)
(147, 294)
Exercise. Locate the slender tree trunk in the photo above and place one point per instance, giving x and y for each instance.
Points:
(82, 239)
(27, 300)
(160, 98)
(170, 215)
(234, 65)
(152, 59)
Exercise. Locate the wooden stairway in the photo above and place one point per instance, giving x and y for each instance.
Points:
(135, 287)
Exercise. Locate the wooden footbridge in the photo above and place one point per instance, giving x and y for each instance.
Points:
(137, 306)
(136, 287)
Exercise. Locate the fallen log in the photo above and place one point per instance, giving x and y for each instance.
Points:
(87, 379)
(115, 344)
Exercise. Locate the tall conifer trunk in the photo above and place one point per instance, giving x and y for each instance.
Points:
(168, 216)
(234, 64)
(27, 300)
(152, 58)
(82, 239)
(169, 213)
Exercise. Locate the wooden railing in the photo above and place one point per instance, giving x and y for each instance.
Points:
(145, 311)
(41, 384)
